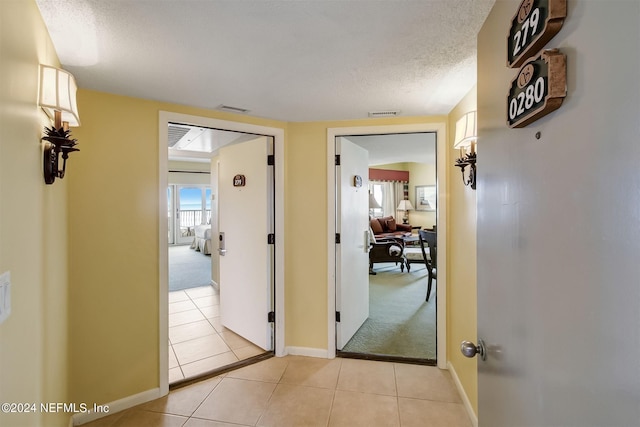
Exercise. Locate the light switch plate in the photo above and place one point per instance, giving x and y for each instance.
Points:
(5, 295)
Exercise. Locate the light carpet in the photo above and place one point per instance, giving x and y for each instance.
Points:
(188, 268)
(401, 323)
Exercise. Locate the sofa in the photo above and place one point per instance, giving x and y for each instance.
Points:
(388, 227)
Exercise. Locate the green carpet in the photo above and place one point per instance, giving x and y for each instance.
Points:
(401, 322)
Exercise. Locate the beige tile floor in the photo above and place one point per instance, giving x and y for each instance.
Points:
(304, 392)
(198, 342)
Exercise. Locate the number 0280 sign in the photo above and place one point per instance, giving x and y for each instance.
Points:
(539, 89)
(535, 23)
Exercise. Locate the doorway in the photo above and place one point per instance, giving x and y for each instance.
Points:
(245, 132)
(335, 296)
(401, 322)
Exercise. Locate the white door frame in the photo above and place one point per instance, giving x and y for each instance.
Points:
(165, 118)
(440, 128)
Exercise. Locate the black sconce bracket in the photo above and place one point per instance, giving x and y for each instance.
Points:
(58, 142)
(468, 160)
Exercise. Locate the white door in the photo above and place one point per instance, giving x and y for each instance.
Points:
(558, 231)
(352, 253)
(245, 186)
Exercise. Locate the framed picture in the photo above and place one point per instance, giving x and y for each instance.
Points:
(425, 197)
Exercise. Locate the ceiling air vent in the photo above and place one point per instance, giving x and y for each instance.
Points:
(231, 109)
(176, 133)
(386, 113)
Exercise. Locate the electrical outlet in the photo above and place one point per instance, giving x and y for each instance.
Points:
(5, 295)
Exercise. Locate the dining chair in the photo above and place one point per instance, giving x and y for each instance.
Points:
(427, 254)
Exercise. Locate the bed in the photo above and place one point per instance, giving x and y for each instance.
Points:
(202, 239)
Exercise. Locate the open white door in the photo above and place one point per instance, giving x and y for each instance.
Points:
(352, 253)
(245, 188)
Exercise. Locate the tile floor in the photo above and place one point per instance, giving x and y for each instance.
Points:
(198, 342)
(305, 392)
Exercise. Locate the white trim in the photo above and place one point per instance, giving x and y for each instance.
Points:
(463, 395)
(308, 351)
(163, 260)
(165, 118)
(441, 289)
(116, 406)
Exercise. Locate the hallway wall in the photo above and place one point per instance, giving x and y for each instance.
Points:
(462, 294)
(33, 227)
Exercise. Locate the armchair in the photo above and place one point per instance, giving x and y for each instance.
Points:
(386, 250)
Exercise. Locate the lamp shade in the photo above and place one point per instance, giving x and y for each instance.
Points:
(373, 203)
(466, 130)
(405, 205)
(58, 93)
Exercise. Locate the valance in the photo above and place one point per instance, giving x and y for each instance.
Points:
(388, 175)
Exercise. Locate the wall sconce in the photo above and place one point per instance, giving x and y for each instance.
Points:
(466, 136)
(58, 99)
(405, 206)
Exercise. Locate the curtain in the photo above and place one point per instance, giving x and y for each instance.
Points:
(398, 195)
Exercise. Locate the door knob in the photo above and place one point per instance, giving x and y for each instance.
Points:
(469, 349)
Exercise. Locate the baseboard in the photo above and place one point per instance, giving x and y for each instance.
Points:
(463, 395)
(116, 406)
(307, 351)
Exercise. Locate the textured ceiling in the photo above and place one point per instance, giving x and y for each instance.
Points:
(287, 60)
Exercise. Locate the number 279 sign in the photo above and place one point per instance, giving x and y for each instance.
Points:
(534, 24)
(539, 88)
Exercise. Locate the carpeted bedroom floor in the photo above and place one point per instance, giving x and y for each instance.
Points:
(400, 322)
(188, 268)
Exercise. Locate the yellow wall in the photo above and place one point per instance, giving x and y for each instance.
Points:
(33, 227)
(421, 174)
(461, 291)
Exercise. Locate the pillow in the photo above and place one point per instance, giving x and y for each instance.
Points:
(375, 226)
(391, 224)
(395, 250)
(383, 222)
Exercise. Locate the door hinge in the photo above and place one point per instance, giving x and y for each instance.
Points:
(337, 316)
(337, 159)
(271, 160)
(271, 239)
(271, 317)
(337, 237)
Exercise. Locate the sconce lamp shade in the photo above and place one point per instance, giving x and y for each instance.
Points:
(466, 130)
(405, 205)
(373, 203)
(58, 93)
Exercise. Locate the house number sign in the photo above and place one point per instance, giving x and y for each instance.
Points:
(539, 88)
(239, 181)
(535, 23)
